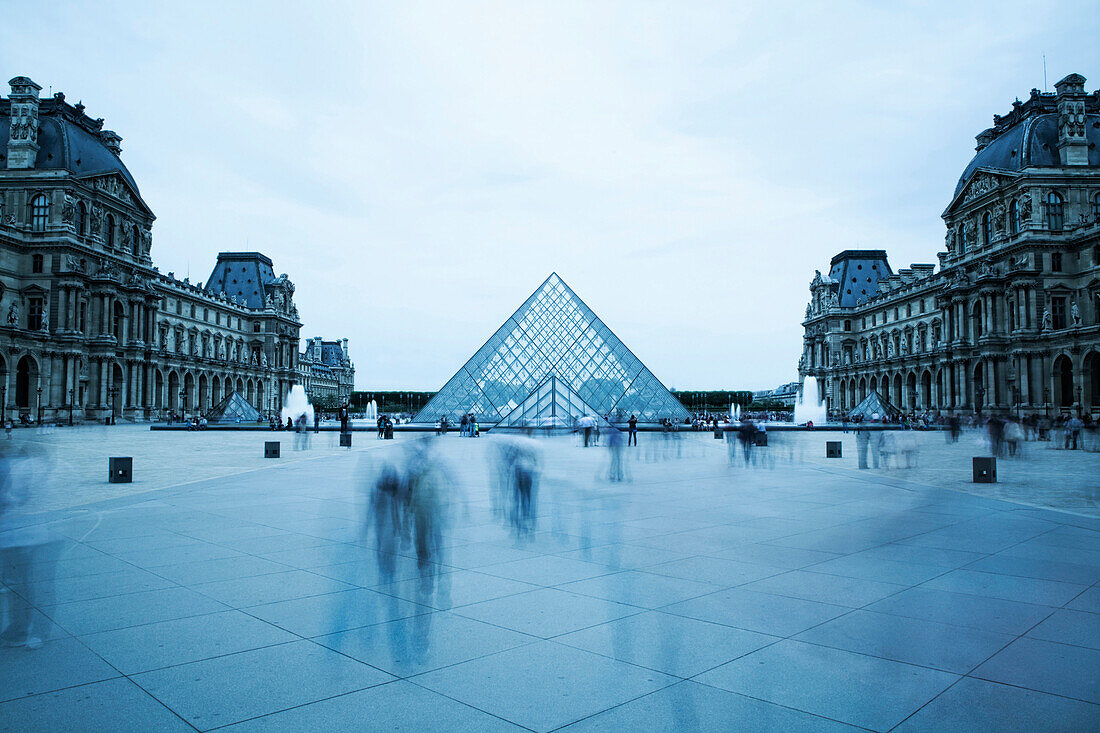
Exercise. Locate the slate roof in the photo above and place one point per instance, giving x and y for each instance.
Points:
(241, 274)
(65, 145)
(1031, 142)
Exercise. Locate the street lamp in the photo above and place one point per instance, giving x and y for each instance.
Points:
(111, 392)
(1046, 402)
(3, 403)
(39, 406)
(1077, 391)
(72, 396)
(979, 390)
(183, 404)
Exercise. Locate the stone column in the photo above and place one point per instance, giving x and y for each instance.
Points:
(103, 365)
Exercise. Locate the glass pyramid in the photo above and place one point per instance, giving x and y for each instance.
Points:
(553, 335)
(233, 409)
(551, 405)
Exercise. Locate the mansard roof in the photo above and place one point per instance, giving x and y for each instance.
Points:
(1028, 136)
(244, 275)
(69, 140)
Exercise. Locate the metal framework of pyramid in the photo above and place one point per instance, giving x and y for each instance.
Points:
(234, 408)
(871, 405)
(553, 339)
(551, 405)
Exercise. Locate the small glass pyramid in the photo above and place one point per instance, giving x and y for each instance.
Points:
(233, 409)
(553, 340)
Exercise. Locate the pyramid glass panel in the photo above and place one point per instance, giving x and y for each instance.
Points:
(555, 343)
(233, 409)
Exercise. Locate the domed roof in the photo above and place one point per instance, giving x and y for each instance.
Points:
(1031, 142)
(64, 143)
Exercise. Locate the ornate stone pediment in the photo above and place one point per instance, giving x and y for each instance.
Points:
(979, 185)
(116, 186)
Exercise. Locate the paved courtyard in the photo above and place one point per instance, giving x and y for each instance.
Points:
(221, 590)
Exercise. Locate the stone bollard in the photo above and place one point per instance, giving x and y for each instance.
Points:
(345, 440)
(271, 449)
(985, 470)
(832, 449)
(718, 434)
(121, 469)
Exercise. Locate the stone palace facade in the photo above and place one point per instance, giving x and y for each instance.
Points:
(88, 326)
(326, 372)
(1010, 321)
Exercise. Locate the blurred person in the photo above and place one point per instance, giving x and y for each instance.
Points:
(1073, 432)
(615, 447)
(954, 428)
(878, 443)
(996, 431)
(746, 434)
(388, 506)
(1014, 437)
(27, 550)
(426, 509)
(863, 443)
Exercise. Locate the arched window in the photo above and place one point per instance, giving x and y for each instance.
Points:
(109, 238)
(1014, 217)
(81, 220)
(1055, 211)
(985, 230)
(961, 239)
(40, 213)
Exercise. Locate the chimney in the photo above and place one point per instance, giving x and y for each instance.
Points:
(984, 137)
(1073, 147)
(23, 134)
(111, 140)
(345, 342)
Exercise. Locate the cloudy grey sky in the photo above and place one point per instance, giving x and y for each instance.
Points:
(419, 168)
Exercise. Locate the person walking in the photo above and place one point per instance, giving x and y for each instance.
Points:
(863, 443)
(1073, 431)
(632, 436)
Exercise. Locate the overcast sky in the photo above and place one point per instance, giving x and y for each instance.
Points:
(419, 168)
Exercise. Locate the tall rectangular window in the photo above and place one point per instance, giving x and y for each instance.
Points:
(1055, 261)
(1058, 312)
(37, 263)
(34, 314)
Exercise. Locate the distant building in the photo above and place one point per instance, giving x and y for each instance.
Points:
(784, 393)
(89, 326)
(1011, 321)
(325, 370)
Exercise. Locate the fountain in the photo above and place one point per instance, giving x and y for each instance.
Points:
(297, 404)
(735, 412)
(809, 407)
